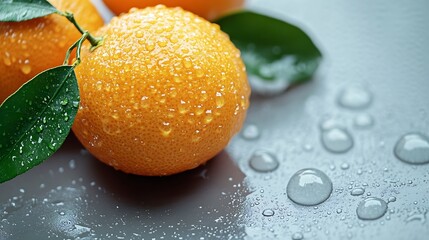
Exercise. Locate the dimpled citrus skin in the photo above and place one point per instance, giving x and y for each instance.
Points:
(208, 9)
(29, 47)
(164, 93)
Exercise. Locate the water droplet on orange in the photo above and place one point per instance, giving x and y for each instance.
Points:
(26, 69)
(220, 100)
(165, 129)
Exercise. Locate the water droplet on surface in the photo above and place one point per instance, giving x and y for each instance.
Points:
(268, 213)
(363, 121)
(371, 208)
(354, 97)
(250, 132)
(357, 191)
(345, 166)
(337, 140)
(413, 148)
(263, 161)
(309, 187)
(391, 199)
(72, 164)
(297, 236)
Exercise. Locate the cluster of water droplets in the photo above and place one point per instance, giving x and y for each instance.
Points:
(311, 186)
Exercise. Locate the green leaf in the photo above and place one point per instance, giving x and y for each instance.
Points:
(22, 10)
(277, 54)
(35, 121)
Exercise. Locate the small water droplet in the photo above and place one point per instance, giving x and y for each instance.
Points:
(250, 132)
(354, 97)
(6, 60)
(64, 102)
(371, 208)
(339, 210)
(309, 187)
(150, 46)
(72, 164)
(39, 128)
(357, 191)
(337, 140)
(165, 129)
(52, 146)
(363, 121)
(268, 213)
(263, 161)
(345, 166)
(297, 236)
(413, 148)
(391, 199)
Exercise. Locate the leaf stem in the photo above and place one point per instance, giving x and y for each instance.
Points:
(79, 47)
(69, 51)
(95, 41)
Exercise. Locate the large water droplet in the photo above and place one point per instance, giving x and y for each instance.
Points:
(263, 161)
(337, 140)
(355, 97)
(371, 208)
(309, 187)
(413, 148)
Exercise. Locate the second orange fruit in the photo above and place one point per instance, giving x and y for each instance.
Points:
(208, 9)
(164, 93)
(30, 47)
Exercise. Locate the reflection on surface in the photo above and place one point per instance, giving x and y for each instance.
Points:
(74, 195)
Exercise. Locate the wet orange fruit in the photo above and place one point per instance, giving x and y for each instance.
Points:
(209, 9)
(29, 47)
(164, 93)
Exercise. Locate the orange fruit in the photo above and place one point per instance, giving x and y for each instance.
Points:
(209, 9)
(164, 93)
(29, 47)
